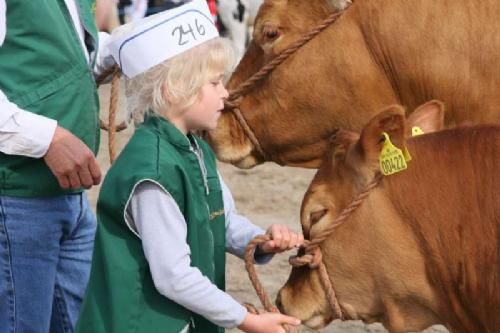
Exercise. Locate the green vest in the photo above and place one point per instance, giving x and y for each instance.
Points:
(44, 71)
(121, 296)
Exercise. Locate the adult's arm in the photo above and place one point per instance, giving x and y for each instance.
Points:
(22, 132)
(28, 134)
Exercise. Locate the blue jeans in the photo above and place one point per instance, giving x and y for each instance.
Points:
(45, 254)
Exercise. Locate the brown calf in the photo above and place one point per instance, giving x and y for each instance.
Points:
(423, 248)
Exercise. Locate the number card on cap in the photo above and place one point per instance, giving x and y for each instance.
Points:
(162, 36)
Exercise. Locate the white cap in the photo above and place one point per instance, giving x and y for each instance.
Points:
(159, 37)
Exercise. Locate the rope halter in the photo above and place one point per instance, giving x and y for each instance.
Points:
(312, 256)
(233, 101)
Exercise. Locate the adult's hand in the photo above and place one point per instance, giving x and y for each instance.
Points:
(71, 161)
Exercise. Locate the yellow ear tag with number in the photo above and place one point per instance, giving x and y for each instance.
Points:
(392, 159)
(406, 155)
(416, 131)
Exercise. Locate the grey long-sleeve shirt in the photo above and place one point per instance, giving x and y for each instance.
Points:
(153, 214)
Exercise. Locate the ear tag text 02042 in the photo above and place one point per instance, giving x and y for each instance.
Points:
(392, 159)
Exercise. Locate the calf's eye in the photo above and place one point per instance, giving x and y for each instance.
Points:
(317, 215)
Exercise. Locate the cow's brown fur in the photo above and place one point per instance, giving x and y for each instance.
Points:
(425, 246)
(456, 220)
(380, 52)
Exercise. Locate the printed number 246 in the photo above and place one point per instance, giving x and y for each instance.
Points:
(185, 33)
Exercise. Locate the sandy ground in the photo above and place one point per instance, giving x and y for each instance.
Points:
(266, 194)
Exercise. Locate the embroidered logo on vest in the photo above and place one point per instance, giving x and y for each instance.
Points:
(216, 214)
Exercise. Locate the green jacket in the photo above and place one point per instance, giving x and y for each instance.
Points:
(44, 71)
(121, 296)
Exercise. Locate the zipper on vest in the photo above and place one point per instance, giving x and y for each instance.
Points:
(191, 320)
(199, 156)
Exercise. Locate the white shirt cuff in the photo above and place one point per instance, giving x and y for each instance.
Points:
(27, 134)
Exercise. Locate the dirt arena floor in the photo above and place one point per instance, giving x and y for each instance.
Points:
(266, 194)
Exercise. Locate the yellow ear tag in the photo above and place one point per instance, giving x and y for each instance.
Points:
(406, 155)
(416, 131)
(392, 159)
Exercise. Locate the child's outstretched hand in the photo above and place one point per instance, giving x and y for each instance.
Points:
(282, 239)
(267, 323)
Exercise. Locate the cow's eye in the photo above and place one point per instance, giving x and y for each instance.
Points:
(270, 33)
(316, 216)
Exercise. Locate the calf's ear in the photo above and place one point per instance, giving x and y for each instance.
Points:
(429, 117)
(391, 121)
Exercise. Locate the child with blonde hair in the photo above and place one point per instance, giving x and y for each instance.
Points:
(166, 218)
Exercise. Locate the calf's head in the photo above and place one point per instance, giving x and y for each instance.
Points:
(367, 256)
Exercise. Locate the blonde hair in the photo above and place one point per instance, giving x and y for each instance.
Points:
(178, 80)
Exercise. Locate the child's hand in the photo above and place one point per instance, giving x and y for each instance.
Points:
(267, 323)
(282, 239)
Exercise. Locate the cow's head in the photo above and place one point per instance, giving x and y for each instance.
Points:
(276, 116)
(367, 277)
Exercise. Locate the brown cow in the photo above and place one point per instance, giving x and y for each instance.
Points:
(423, 248)
(380, 52)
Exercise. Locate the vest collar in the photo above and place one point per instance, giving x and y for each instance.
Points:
(168, 131)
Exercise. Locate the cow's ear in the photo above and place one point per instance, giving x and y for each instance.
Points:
(339, 4)
(391, 121)
(429, 117)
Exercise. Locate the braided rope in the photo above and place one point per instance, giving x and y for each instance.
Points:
(312, 256)
(321, 237)
(113, 108)
(104, 76)
(250, 133)
(249, 265)
(269, 67)
(231, 102)
(115, 74)
(261, 293)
